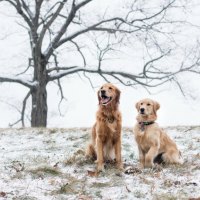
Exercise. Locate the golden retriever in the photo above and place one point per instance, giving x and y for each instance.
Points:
(154, 145)
(106, 132)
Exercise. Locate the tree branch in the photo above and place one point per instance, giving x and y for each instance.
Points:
(24, 107)
(118, 21)
(60, 69)
(22, 112)
(64, 27)
(24, 82)
(142, 79)
(38, 5)
(47, 24)
(19, 8)
(27, 9)
(90, 28)
(163, 9)
(113, 74)
(80, 52)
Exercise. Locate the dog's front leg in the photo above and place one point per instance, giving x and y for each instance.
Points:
(118, 154)
(152, 153)
(141, 156)
(100, 161)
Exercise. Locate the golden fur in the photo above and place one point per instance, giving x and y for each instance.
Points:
(106, 132)
(152, 141)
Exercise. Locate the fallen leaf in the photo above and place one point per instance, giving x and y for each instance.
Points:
(132, 170)
(2, 194)
(157, 174)
(52, 182)
(84, 197)
(197, 155)
(92, 173)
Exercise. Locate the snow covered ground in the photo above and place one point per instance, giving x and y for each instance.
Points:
(50, 164)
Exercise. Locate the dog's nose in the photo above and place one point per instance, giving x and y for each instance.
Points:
(103, 92)
(142, 110)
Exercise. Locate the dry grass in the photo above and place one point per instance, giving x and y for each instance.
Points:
(50, 164)
(44, 171)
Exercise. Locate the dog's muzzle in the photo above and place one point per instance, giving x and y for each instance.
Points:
(142, 111)
(105, 100)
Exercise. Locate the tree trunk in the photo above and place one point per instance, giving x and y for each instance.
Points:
(39, 94)
(39, 107)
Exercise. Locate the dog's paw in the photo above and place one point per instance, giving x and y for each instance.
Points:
(120, 166)
(149, 165)
(100, 168)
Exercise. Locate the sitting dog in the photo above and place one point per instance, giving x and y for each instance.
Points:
(154, 145)
(106, 132)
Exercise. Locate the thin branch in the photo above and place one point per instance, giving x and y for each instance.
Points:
(163, 9)
(60, 69)
(142, 79)
(29, 65)
(95, 27)
(18, 6)
(21, 81)
(22, 112)
(74, 9)
(103, 72)
(80, 52)
(90, 28)
(38, 5)
(88, 78)
(105, 79)
(24, 107)
(13, 124)
(47, 24)
(27, 9)
(145, 71)
(62, 97)
(16, 108)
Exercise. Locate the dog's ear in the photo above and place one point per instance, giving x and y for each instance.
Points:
(118, 92)
(137, 105)
(156, 105)
(99, 99)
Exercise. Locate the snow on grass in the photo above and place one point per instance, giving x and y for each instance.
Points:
(50, 164)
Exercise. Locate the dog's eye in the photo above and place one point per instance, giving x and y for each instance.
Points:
(110, 88)
(148, 104)
(101, 88)
(141, 104)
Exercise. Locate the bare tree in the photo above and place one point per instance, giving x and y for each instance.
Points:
(54, 24)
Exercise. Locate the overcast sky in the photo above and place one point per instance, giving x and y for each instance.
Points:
(78, 110)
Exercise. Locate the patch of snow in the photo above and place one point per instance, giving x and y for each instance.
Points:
(48, 164)
(21, 80)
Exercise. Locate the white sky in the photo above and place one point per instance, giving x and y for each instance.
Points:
(81, 105)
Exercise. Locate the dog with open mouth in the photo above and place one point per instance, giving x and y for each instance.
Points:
(106, 132)
(154, 145)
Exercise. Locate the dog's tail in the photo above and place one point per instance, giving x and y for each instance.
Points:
(173, 157)
(90, 152)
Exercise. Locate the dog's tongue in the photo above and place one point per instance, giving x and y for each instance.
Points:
(104, 100)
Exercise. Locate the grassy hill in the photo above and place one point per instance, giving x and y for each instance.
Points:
(50, 164)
